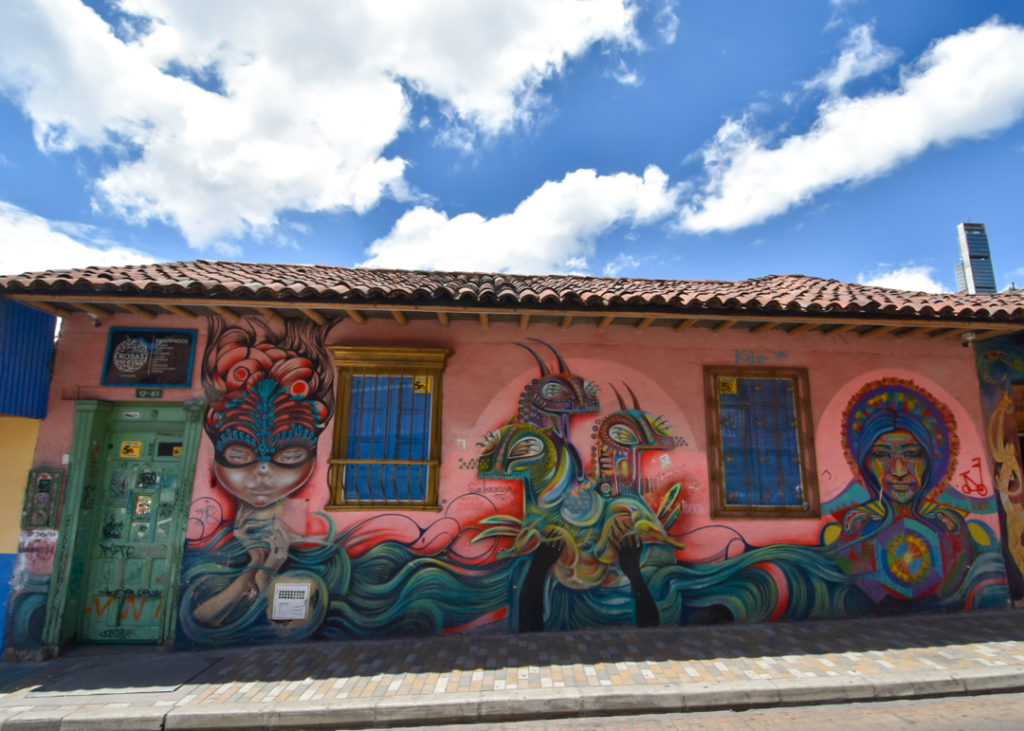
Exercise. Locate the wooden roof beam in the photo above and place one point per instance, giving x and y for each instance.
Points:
(356, 315)
(910, 332)
(52, 309)
(765, 326)
(845, 328)
(605, 322)
(485, 320)
(136, 310)
(685, 324)
(224, 312)
(645, 323)
(180, 311)
(724, 325)
(880, 330)
(92, 310)
(989, 334)
(806, 327)
(954, 332)
(567, 321)
(400, 317)
(313, 315)
(524, 320)
(270, 314)
(442, 318)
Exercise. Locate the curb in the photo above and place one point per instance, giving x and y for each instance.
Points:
(532, 704)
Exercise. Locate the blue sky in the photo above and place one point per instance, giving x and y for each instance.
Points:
(689, 140)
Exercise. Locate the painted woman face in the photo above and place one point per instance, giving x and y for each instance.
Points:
(898, 462)
(261, 482)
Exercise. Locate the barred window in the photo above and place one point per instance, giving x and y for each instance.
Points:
(760, 445)
(387, 431)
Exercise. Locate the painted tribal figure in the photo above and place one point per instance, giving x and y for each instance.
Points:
(585, 532)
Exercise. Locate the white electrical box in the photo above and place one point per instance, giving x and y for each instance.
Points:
(291, 600)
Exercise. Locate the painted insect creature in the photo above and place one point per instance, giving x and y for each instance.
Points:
(583, 530)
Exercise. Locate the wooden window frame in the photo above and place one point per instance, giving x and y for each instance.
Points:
(370, 360)
(811, 507)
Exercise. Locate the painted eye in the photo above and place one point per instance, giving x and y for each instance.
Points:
(554, 390)
(881, 454)
(621, 434)
(237, 455)
(290, 456)
(526, 447)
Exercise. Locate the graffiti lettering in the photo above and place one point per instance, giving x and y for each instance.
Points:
(117, 633)
(96, 605)
(754, 357)
(688, 508)
(490, 489)
(132, 592)
(971, 485)
(41, 548)
(137, 608)
(108, 550)
(204, 518)
(112, 529)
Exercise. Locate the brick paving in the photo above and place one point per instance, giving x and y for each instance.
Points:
(494, 676)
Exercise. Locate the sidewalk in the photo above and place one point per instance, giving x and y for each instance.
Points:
(469, 678)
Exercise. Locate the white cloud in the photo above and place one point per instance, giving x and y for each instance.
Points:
(552, 230)
(619, 264)
(33, 243)
(1014, 277)
(964, 86)
(311, 93)
(861, 56)
(625, 75)
(909, 277)
(667, 22)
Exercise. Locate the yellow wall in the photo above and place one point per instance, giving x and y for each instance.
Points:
(17, 444)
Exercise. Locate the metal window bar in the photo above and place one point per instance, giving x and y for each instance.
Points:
(374, 470)
(762, 454)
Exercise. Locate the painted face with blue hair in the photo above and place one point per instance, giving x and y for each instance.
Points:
(898, 438)
(898, 464)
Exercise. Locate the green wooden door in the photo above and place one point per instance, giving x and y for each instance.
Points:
(127, 595)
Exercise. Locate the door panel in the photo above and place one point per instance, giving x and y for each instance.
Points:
(126, 575)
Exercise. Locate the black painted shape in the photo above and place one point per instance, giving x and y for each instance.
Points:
(646, 607)
(531, 599)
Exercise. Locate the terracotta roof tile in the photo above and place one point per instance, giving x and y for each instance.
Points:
(270, 282)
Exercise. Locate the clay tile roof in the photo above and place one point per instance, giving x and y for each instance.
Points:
(786, 293)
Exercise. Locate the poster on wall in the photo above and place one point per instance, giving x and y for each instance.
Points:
(149, 357)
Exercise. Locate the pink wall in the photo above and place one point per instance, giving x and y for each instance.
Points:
(812, 575)
(486, 373)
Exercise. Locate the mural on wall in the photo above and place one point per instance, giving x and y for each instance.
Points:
(27, 604)
(586, 530)
(270, 396)
(268, 406)
(907, 536)
(900, 536)
(1000, 365)
(592, 538)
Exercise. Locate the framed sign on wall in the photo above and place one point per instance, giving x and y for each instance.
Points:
(149, 357)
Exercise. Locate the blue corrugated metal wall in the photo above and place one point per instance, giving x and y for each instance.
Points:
(26, 350)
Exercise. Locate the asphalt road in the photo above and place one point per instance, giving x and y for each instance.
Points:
(966, 713)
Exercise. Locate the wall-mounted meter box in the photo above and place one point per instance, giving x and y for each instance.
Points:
(42, 498)
(291, 600)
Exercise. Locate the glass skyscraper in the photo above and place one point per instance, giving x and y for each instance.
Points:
(974, 272)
